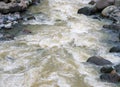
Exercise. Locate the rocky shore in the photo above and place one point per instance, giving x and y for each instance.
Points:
(11, 15)
(109, 9)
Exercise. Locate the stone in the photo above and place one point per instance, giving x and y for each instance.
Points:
(97, 60)
(106, 69)
(112, 26)
(101, 4)
(85, 11)
(106, 12)
(114, 78)
(115, 49)
(117, 68)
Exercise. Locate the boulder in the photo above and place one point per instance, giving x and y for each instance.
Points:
(106, 69)
(114, 78)
(117, 68)
(97, 60)
(101, 4)
(85, 11)
(115, 49)
(112, 26)
(106, 12)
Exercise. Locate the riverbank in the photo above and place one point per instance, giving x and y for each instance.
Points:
(12, 14)
(109, 10)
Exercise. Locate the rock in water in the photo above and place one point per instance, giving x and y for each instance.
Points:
(106, 12)
(101, 4)
(97, 60)
(85, 11)
(114, 78)
(106, 69)
(115, 49)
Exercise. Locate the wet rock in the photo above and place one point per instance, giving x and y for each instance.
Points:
(85, 11)
(115, 49)
(112, 26)
(101, 4)
(117, 68)
(35, 2)
(92, 2)
(106, 69)
(97, 60)
(13, 6)
(106, 12)
(25, 31)
(9, 20)
(114, 78)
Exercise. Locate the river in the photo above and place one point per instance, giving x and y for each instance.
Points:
(54, 55)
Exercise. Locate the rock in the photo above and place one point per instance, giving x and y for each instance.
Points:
(106, 69)
(92, 2)
(106, 12)
(115, 49)
(112, 26)
(117, 68)
(25, 31)
(114, 78)
(101, 4)
(85, 11)
(97, 60)
(13, 7)
(8, 26)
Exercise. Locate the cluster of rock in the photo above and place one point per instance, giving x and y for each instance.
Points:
(10, 11)
(109, 71)
(109, 9)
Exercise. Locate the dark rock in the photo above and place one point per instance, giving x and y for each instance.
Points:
(85, 11)
(106, 69)
(112, 26)
(97, 60)
(13, 7)
(25, 31)
(92, 2)
(117, 68)
(115, 49)
(114, 78)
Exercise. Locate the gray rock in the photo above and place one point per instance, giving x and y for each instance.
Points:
(115, 49)
(108, 10)
(97, 60)
(114, 78)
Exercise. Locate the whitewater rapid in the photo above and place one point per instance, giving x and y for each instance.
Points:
(54, 55)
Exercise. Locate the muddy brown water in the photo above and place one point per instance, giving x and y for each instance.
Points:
(54, 54)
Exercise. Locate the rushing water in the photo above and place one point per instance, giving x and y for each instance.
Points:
(54, 54)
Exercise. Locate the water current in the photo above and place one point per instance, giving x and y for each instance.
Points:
(54, 55)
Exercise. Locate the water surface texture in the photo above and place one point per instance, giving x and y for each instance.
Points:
(54, 55)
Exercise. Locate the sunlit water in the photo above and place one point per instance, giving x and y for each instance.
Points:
(54, 55)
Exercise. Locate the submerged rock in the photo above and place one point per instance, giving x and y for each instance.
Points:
(97, 60)
(106, 69)
(115, 49)
(111, 77)
(112, 26)
(86, 11)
